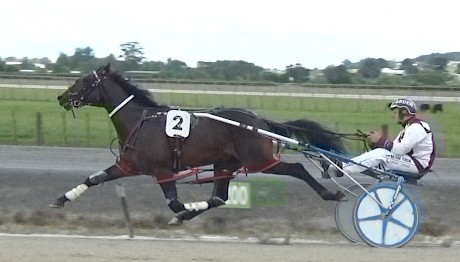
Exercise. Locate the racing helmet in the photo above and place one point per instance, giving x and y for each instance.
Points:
(409, 105)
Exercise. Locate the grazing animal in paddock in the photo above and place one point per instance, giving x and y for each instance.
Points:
(146, 149)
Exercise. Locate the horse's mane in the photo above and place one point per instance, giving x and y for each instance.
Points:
(141, 95)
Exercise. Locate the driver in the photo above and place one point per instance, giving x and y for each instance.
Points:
(413, 150)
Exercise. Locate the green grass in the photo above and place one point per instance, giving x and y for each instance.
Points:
(92, 127)
(18, 125)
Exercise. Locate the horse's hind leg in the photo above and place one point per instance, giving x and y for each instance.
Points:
(298, 171)
(110, 173)
(219, 193)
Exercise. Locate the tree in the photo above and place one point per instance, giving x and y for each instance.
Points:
(175, 69)
(132, 54)
(110, 59)
(382, 63)
(26, 64)
(2, 65)
(432, 77)
(83, 59)
(45, 61)
(272, 77)
(370, 68)
(153, 66)
(62, 64)
(439, 62)
(412, 70)
(175, 65)
(10, 59)
(347, 63)
(337, 74)
(408, 66)
(231, 70)
(407, 62)
(297, 73)
(11, 68)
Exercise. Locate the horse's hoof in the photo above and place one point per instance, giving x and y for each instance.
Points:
(57, 204)
(325, 175)
(175, 221)
(341, 197)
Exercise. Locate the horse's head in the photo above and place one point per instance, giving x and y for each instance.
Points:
(85, 90)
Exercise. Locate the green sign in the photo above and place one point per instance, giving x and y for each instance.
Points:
(260, 191)
(268, 191)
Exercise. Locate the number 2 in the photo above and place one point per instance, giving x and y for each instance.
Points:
(178, 126)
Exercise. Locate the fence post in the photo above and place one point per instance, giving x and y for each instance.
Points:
(110, 128)
(39, 125)
(120, 190)
(88, 129)
(64, 127)
(14, 126)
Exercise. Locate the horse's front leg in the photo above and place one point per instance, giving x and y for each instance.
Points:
(110, 173)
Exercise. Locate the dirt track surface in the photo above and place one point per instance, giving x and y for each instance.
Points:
(29, 248)
(32, 177)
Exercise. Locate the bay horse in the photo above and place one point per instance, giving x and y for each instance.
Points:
(145, 149)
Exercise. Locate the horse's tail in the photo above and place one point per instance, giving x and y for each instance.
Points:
(311, 132)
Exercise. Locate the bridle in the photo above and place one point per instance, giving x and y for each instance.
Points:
(86, 90)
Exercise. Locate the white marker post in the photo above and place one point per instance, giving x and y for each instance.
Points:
(120, 190)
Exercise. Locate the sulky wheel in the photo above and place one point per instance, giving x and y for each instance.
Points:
(344, 213)
(380, 226)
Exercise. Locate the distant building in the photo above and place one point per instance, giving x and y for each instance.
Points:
(452, 67)
(13, 63)
(274, 71)
(390, 71)
(41, 66)
(19, 63)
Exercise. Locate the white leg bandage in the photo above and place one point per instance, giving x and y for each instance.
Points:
(195, 206)
(76, 192)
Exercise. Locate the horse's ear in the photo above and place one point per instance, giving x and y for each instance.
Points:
(105, 69)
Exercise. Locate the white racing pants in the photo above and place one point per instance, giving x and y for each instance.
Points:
(383, 158)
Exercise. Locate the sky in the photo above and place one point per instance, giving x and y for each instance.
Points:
(270, 34)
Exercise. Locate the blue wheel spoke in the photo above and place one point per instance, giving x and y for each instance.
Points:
(371, 218)
(380, 201)
(384, 230)
(399, 223)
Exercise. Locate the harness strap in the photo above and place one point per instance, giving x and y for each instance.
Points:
(122, 104)
(127, 168)
(134, 132)
(177, 154)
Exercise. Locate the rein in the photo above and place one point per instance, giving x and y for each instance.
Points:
(358, 136)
